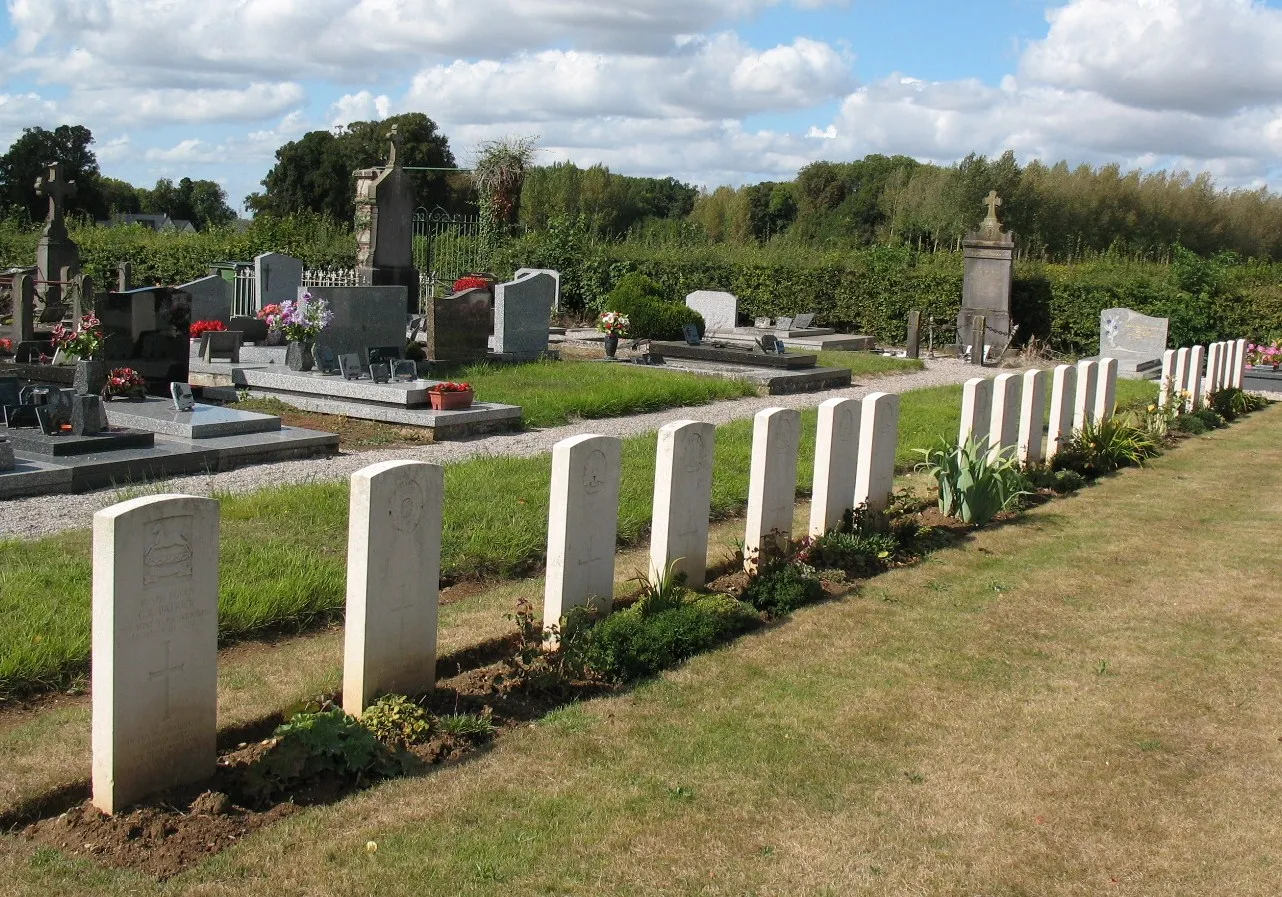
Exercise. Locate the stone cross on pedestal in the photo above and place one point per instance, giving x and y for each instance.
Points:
(59, 190)
(394, 144)
(992, 201)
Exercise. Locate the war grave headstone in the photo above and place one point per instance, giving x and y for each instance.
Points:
(384, 226)
(1181, 378)
(836, 468)
(986, 285)
(772, 484)
(1032, 411)
(155, 646)
(977, 409)
(393, 576)
(522, 310)
(1197, 362)
(1137, 342)
(1063, 399)
(682, 501)
(583, 519)
(878, 437)
(1167, 386)
(1084, 400)
(1004, 419)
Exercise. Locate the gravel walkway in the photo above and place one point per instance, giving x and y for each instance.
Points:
(42, 515)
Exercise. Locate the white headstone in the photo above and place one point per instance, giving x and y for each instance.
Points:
(1063, 399)
(1239, 364)
(682, 499)
(583, 521)
(1084, 401)
(393, 579)
(1222, 372)
(878, 441)
(155, 646)
(1032, 411)
(554, 274)
(1212, 367)
(1230, 363)
(772, 486)
(1197, 362)
(1105, 390)
(977, 409)
(277, 277)
(720, 310)
(1167, 387)
(1004, 420)
(836, 457)
(1183, 359)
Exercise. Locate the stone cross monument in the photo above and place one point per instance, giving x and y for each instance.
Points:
(989, 258)
(57, 254)
(385, 225)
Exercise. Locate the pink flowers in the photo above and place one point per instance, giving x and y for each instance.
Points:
(1264, 354)
(84, 341)
(125, 382)
(451, 386)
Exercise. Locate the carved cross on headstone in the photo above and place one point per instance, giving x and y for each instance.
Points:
(394, 139)
(992, 201)
(59, 190)
(164, 673)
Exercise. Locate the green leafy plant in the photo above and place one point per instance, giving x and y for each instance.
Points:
(972, 488)
(1231, 402)
(853, 552)
(1061, 482)
(1104, 446)
(648, 313)
(782, 586)
(1190, 424)
(472, 726)
(662, 591)
(537, 664)
(327, 744)
(631, 644)
(397, 721)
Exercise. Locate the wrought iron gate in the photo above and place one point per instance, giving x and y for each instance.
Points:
(445, 248)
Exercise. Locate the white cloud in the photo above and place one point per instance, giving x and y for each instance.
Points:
(363, 106)
(167, 105)
(1211, 57)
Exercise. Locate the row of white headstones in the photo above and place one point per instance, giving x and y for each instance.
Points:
(156, 559)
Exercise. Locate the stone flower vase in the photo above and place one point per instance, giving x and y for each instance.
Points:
(91, 376)
(298, 356)
(275, 337)
(611, 345)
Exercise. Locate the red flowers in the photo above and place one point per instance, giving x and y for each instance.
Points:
(451, 386)
(196, 329)
(125, 382)
(471, 282)
(6, 346)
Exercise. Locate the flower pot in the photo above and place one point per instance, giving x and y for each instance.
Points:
(298, 357)
(611, 345)
(450, 401)
(91, 377)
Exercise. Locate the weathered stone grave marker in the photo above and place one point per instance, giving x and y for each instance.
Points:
(583, 521)
(155, 646)
(393, 580)
(720, 310)
(878, 439)
(772, 484)
(1063, 400)
(836, 463)
(682, 501)
(1004, 422)
(522, 316)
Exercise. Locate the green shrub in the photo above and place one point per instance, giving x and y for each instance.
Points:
(1100, 448)
(630, 643)
(1061, 482)
(1231, 403)
(397, 721)
(650, 315)
(853, 552)
(318, 746)
(1210, 418)
(971, 488)
(782, 587)
(1190, 424)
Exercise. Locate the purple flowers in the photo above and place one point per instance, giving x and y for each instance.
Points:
(303, 319)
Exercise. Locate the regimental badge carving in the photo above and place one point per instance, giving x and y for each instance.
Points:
(694, 452)
(168, 554)
(407, 506)
(845, 422)
(594, 470)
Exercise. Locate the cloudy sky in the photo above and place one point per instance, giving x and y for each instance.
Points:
(709, 91)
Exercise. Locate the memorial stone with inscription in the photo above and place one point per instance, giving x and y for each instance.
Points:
(1137, 341)
(836, 468)
(385, 225)
(682, 501)
(522, 312)
(155, 646)
(720, 310)
(772, 484)
(986, 287)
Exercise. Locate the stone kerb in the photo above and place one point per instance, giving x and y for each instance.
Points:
(1197, 363)
(1105, 390)
(155, 646)
(772, 485)
(682, 501)
(1004, 417)
(1167, 387)
(1084, 401)
(1063, 399)
(583, 521)
(393, 578)
(977, 410)
(836, 463)
(878, 440)
(1032, 411)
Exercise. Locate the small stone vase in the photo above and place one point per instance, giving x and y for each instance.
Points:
(275, 337)
(91, 377)
(298, 356)
(611, 345)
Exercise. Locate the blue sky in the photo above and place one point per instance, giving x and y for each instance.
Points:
(709, 91)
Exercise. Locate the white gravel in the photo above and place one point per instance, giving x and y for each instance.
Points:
(43, 515)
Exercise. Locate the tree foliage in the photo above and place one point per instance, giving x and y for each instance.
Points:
(316, 172)
(28, 158)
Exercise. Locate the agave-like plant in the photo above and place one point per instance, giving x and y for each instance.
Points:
(973, 487)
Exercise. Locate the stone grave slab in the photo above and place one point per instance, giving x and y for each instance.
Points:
(201, 422)
(35, 442)
(731, 355)
(1137, 341)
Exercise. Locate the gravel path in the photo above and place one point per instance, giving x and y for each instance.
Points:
(42, 515)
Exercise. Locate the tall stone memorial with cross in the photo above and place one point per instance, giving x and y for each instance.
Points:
(57, 255)
(385, 224)
(989, 258)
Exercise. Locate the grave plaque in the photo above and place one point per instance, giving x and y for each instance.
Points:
(349, 365)
(383, 354)
(783, 324)
(221, 344)
(1130, 336)
(183, 399)
(405, 370)
(691, 334)
(325, 359)
(379, 373)
(802, 322)
(155, 646)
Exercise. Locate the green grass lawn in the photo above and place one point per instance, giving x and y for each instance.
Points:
(284, 548)
(554, 392)
(864, 364)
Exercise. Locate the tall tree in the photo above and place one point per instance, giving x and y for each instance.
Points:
(28, 158)
(204, 203)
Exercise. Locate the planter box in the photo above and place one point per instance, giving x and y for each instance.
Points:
(450, 401)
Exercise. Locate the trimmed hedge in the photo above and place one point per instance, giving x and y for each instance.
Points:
(650, 315)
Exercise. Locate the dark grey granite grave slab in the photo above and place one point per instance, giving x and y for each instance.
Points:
(731, 355)
(202, 422)
(34, 476)
(1262, 380)
(769, 381)
(34, 442)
